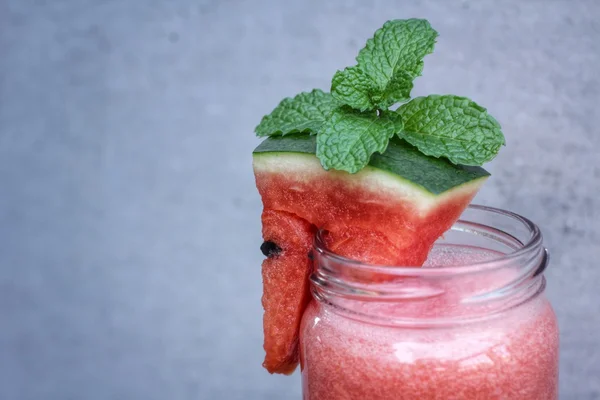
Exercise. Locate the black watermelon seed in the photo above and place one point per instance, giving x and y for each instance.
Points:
(270, 249)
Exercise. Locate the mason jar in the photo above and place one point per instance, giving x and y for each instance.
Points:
(472, 323)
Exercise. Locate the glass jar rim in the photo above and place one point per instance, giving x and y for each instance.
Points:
(531, 248)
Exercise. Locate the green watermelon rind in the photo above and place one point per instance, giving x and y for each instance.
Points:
(400, 161)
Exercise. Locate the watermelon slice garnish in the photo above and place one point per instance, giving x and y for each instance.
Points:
(389, 213)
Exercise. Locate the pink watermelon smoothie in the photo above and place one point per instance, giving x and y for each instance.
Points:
(512, 355)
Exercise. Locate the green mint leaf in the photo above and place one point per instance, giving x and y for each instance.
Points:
(453, 127)
(397, 91)
(349, 138)
(387, 66)
(352, 87)
(304, 113)
(356, 89)
(399, 46)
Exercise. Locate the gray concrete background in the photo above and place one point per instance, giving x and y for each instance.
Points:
(129, 221)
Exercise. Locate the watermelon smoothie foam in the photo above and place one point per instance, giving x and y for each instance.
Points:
(396, 298)
(472, 323)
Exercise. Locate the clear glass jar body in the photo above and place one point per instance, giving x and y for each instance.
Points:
(478, 330)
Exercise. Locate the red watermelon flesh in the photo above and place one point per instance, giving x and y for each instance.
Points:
(369, 217)
(285, 287)
(381, 215)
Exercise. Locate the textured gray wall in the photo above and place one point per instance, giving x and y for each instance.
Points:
(129, 221)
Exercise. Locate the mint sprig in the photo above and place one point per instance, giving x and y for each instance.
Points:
(353, 122)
